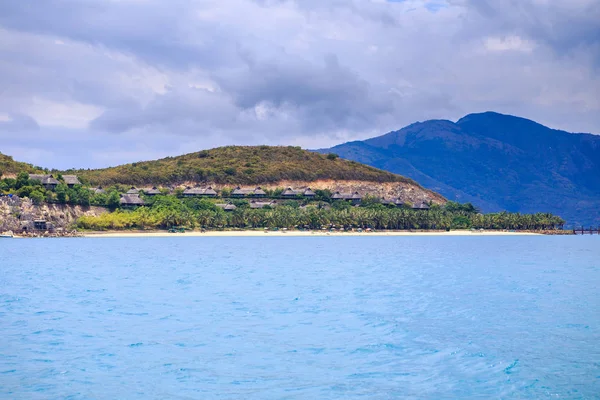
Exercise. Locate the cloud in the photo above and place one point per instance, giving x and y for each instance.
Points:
(563, 25)
(108, 81)
(16, 123)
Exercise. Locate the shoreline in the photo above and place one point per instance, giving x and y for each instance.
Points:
(294, 233)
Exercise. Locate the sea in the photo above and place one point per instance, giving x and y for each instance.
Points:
(507, 317)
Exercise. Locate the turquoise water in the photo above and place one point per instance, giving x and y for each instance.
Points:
(300, 318)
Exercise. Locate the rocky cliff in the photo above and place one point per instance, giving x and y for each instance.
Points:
(19, 215)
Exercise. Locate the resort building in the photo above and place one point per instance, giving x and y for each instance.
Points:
(193, 192)
(131, 200)
(48, 181)
(152, 192)
(227, 207)
(354, 198)
(290, 193)
(239, 192)
(71, 180)
(421, 206)
(133, 190)
(309, 193)
(396, 202)
(262, 204)
(210, 192)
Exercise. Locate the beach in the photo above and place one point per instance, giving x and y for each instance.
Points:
(255, 233)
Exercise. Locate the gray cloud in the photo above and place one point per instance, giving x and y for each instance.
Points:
(124, 80)
(16, 123)
(564, 25)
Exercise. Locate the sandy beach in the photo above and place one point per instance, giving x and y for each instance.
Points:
(280, 233)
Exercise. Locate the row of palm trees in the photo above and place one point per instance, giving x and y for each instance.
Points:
(319, 218)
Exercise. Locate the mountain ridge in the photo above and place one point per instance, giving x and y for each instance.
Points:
(497, 161)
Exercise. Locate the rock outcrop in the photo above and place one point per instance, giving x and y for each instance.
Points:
(22, 217)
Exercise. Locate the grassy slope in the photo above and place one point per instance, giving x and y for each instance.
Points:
(10, 166)
(238, 165)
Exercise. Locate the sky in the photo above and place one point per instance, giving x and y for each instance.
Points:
(94, 83)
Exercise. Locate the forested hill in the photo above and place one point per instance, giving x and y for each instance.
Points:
(497, 162)
(239, 165)
(8, 166)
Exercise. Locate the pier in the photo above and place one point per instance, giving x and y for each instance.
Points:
(586, 231)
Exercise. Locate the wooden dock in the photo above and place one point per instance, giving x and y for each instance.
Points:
(586, 231)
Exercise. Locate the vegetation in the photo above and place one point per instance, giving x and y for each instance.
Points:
(165, 212)
(22, 186)
(10, 166)
(238, 165)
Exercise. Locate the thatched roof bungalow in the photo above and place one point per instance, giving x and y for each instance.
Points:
(48, 181)
(353, 197)
(288, 193)
(239, 192)
(210, 192)
(356, 198)
(256, 192)
(262, 204)
(152, 192)
(227, 207)
(192, 192)
(396, 202)
(71, 180)
(131, 200)
(309, 193)
(98, 190)
(423, 206)
(133, 190)
(338, 196)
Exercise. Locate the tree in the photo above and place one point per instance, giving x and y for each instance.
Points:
(113, 200)
(22, 180)
(332, 156)
(230, 171)
(370, 201)
(291, 203)
(341, 205)
(323, 195)
(62, 193)
(37, 197)
(84, 197)
(200, 204)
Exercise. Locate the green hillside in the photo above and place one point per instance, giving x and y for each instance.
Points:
(241, 165)
(10, 166)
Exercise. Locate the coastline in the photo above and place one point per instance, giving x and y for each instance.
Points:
(315, 233)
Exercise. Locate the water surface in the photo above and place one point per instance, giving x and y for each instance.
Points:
(300, 318)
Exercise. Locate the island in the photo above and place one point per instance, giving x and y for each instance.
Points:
(238, 188)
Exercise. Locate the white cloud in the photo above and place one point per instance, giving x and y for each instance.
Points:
(62, 114)
(509, 43)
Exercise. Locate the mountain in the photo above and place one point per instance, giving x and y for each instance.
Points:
(497, 162)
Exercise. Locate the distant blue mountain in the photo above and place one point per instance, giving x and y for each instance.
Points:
(497, 162)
